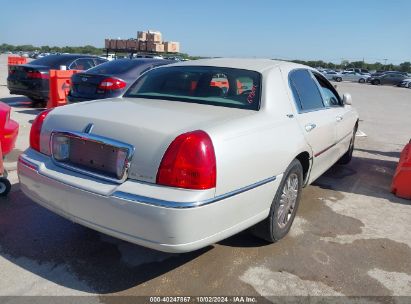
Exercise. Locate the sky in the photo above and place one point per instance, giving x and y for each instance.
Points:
(372, 30)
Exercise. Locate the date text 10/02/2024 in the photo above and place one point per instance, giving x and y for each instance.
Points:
(204, 299)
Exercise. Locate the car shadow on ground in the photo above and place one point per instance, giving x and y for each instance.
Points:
(365, 176)
(73, 256)
(381, 153)
(22, 102)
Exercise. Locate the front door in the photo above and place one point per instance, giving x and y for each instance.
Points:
(317, 124)
(344, 118)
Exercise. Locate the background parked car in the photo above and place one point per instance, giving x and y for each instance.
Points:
(388, 78)
(351, 76)
(331, 75)
(32, 79)
(110, 79)
(356, 70)
(379, 73)
(406, 83)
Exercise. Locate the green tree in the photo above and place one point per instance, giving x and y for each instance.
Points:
(405, 67)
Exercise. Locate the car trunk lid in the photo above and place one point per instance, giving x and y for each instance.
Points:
(148, 125)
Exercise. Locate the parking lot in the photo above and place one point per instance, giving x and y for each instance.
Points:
(351, 235)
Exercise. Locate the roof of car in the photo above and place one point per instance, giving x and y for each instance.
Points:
(258, 65)
(73, 55)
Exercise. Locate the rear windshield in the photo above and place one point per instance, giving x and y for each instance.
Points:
(53, 61)
(216, 86)
(119, 66)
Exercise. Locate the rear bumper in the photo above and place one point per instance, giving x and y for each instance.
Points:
(34, 89)
(30, 93)
(152, 222)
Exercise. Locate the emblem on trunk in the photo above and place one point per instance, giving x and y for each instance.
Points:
(84, 78)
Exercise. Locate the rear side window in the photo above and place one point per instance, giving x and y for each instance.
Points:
(218, 86)
(82, 64)
(98, 61)
(331, 97)
(305, 91)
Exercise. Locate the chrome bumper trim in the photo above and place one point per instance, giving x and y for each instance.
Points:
(130, 197)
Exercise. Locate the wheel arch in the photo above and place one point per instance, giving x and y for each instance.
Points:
(305, 159)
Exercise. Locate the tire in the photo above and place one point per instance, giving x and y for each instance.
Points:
(287, 199)
(5, 186)
(362, 80)
(338, 79)
(347, 157)
(409, 85)
(376, 82)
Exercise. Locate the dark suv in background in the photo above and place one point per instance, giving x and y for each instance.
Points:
(393, 78)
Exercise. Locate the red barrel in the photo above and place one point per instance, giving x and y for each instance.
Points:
(59, 85)
(401, 183)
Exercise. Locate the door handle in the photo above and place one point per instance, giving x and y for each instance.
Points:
(309, 127)
(339, 118)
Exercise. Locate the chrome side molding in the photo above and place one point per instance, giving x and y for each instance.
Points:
(184, 205)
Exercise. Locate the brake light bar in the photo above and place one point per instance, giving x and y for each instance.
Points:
(112, 84)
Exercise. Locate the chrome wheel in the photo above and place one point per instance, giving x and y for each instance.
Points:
(288, 200)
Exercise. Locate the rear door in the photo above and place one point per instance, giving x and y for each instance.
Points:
(316, 121)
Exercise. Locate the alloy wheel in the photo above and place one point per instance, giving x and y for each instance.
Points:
(288, 200)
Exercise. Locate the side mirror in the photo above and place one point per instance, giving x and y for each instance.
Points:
(347, 99)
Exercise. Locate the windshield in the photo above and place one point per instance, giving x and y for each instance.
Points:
(216, 86)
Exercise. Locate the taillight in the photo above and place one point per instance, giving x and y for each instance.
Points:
(112, 84)
(36, 130)
(189, 162)
(36, 75)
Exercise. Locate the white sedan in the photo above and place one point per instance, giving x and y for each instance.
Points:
(193, 153)
(352, 76)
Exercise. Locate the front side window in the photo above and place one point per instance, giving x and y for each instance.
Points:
(331, 98)
(305, 91)
(216, 86)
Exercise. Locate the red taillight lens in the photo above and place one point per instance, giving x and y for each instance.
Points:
(37, 75)
(36, 130)
(112, 84)
(189, 162)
